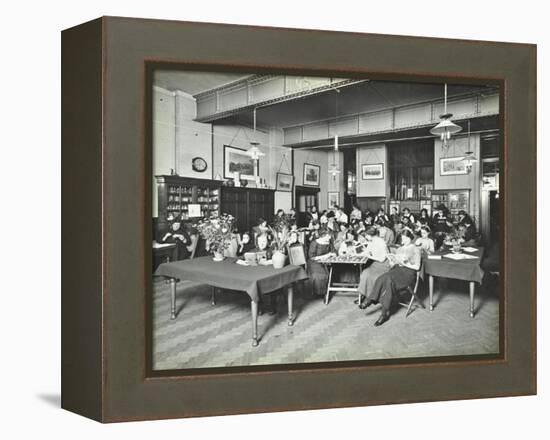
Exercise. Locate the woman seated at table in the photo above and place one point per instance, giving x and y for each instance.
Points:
(377, 251)
(466, 234)
(381, 215)
(317, 272)
(398, 229)
(407, 223)
(385, 232)
(424, 242)
(441, 224)
(245, 244)
(424, 219)
(348, 245)
(356, 213)
(262, 245)
(313, 214)
(358, 226)
(404, 265)
(466, 227)
(340, 236)
(179, 236)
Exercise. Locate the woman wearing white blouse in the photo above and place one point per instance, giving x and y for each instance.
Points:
(377, 251)
(424, 242)
(404, 264)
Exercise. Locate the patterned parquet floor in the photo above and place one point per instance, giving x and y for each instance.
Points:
(205, 336)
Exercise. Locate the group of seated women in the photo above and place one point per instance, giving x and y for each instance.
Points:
(364, 234)
(373, 236)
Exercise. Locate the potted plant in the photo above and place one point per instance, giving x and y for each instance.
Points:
(454, 240)
(280, 240)
(217, 231)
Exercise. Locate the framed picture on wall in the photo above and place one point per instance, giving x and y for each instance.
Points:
(236, 160)
(374, 171)
(333, 199)
(285, 182)
(311, 174)
(452, 166)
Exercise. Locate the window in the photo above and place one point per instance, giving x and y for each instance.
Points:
(411, 170)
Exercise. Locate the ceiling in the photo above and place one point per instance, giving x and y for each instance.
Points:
(366, 96)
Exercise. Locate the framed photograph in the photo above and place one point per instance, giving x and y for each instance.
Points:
(149, 336)
(311, 175)
(285, 182)
(373, 171)
(236, 160)
(333, 199)
(452, 166)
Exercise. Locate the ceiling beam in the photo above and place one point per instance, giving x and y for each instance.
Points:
(261, 91)
(392, 119)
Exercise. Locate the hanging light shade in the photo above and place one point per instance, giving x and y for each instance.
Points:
(446, 128)
(333, 169)
(254, 152)
(469, 157)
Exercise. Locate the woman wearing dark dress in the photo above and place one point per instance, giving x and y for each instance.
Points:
(317, 272)
(404, 264)
(245, 244)
(179, 236)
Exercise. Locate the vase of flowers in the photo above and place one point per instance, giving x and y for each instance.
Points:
(280, 240)
(217, 231)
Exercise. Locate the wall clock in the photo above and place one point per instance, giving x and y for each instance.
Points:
(199, 164)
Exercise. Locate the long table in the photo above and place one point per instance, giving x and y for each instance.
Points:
(227, 274)
(468, 270)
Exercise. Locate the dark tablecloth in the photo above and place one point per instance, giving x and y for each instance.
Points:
(227, 274)
(467, 270)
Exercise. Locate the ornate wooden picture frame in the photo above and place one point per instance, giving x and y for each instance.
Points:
(106, 282)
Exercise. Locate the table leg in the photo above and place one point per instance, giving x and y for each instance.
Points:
(359, 293)
(431, 284)
(328, 285)
(254, 310)
(472, 292)
(173, 284)
(290, 299)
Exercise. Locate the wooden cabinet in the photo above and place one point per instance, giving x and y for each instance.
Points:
(187, 198)
(454, 199)
(247, 205)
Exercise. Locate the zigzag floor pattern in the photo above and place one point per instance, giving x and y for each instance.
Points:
(205, 336)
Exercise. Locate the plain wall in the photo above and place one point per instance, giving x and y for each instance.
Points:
(163, 137)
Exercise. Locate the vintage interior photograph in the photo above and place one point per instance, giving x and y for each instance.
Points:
(302, 219)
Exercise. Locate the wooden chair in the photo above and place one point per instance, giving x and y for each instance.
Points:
(193, 245)
(414, 291)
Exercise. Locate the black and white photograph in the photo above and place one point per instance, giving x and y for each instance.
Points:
(250, 269)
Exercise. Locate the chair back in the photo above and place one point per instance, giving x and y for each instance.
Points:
(297, 255)
(193, 246)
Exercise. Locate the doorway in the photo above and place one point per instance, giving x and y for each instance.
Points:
(305, 198)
